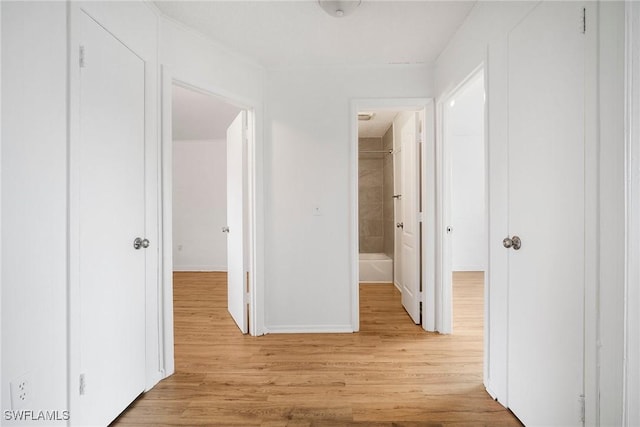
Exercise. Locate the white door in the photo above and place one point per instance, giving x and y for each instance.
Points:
(546, 211)
(237, 279)
(410, 227)
(111, 215)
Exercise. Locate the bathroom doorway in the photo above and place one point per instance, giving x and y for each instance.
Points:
(391, 190)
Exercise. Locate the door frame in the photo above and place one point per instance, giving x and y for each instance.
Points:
(631, 365)
(108, 19)
(165, 295)
(428, 189)
(444, 285)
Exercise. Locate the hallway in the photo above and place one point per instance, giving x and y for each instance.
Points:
(390, 373)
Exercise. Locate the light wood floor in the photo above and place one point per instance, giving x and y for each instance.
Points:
(392, 373)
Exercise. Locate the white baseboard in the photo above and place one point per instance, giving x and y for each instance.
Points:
(375, 282)
(308, 329)
(468, 268)
(207, 268)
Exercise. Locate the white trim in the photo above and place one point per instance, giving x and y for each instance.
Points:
(1, 388)
(425, 105)
(165, 296)
(467, 268)
(444, 267)
(203, 268)
(631, 365)
(591, 363)
(309, 329)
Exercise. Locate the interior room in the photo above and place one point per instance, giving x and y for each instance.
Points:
(88, 323)
(199, 178)
(464, 138)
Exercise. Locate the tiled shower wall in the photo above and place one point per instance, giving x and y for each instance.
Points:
(370, 200)
(376, 210)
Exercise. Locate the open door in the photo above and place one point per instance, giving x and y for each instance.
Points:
(237, 272)
(409, 225)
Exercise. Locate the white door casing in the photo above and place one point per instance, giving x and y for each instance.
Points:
(409, 226)
(397, 208)
(111, 215)
(236, 221)
(547, 211)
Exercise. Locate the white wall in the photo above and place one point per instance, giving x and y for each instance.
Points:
(34, 201)
(199, 205)
(483, 38)
(307, 164)
(465, 138)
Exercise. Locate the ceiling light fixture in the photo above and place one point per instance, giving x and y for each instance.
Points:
(339, 8)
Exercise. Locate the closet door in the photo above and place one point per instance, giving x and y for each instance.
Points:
(546, 215)
(111, 216)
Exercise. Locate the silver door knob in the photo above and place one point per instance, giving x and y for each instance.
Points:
(517, 243)
(139, 242)
(512, 242)
(225, 229)
(400, 225)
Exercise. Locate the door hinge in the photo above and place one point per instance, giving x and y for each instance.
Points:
(582, 408)
(81, 57)
(584, 20)
(420, 216)
(81, 384)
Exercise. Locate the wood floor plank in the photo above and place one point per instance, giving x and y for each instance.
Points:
(391, 373)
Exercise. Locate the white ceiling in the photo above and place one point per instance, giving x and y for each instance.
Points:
(197, 116)
(285, 33)
(378, 125)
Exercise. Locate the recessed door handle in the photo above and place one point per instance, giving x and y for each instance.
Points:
(139, 242)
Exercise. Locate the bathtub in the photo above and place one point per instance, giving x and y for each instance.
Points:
(376, 268)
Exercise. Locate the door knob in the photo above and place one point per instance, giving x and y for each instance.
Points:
(140, 243)
(400, 225)
(512, 242)
(225, 229)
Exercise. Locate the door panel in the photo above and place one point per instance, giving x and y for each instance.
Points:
(236, 196)
(410, 232)
(546, 210)
(111, 215)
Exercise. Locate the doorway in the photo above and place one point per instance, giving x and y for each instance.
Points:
(207, 213)
(389, 188)
(199, 170)
(465, 243)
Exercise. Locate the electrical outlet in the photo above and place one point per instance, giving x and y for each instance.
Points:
(21, 391)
